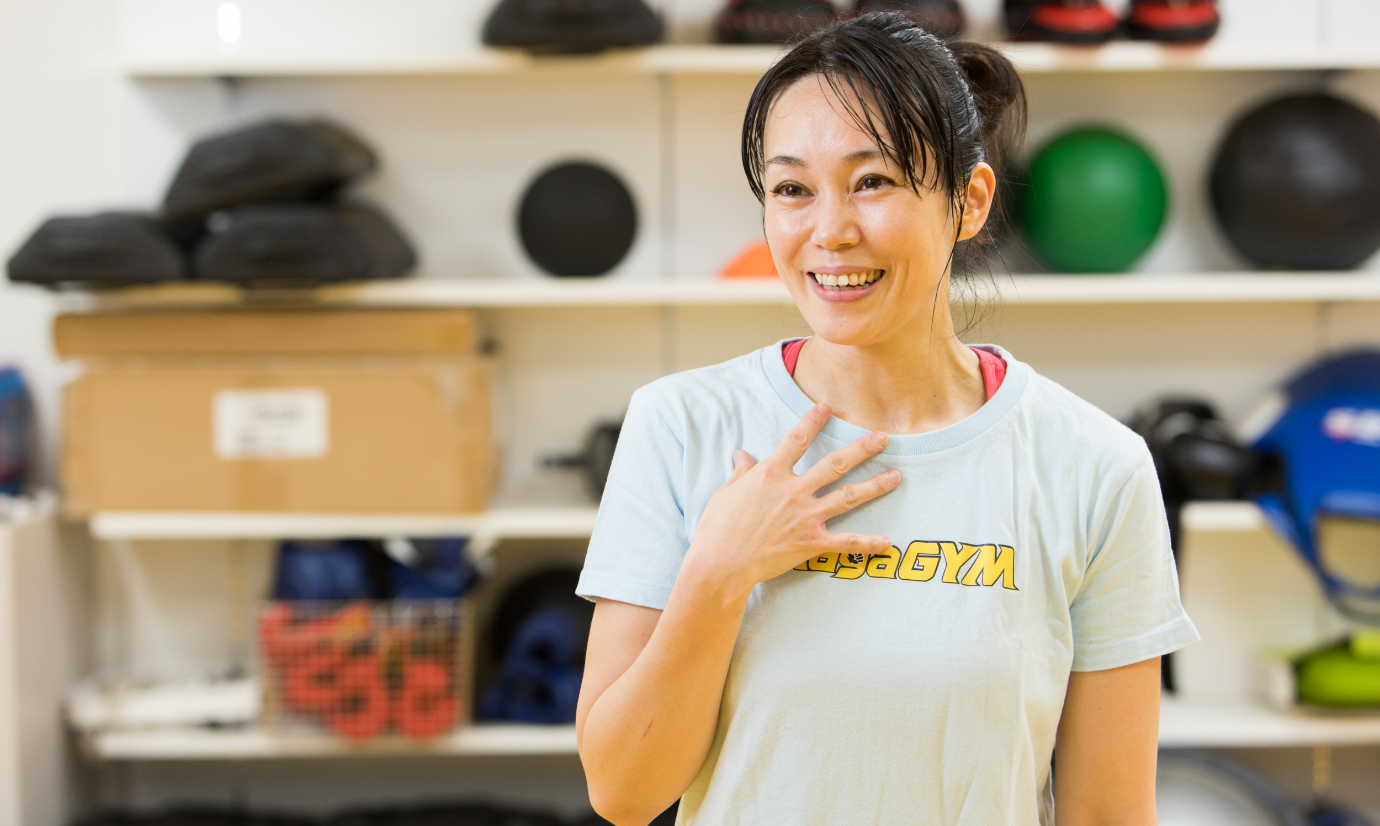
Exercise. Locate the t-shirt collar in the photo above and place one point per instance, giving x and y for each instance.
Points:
(960, 432)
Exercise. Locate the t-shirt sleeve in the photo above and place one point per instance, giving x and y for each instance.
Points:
(1127, 608)
(640, 536)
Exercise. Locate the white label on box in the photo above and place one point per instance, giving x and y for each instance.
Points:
(271, 424)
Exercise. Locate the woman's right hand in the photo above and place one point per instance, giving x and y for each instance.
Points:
(766, 520)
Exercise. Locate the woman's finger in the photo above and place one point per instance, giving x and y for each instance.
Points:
(742, 463)
(857, 544)
(849, 497)
(832, 467)
(798, 440)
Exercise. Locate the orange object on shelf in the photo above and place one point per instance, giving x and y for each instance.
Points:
(754, 261)
(363, 708)
(426, 705)
(363, 669)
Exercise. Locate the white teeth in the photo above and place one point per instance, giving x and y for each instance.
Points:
(852, 279)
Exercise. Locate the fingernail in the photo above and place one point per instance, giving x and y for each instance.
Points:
(893, 475)
(880, 438)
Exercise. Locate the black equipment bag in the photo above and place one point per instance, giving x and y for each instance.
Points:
(113, 248)
(772, 21)
(571, 26)
(271, 161)
(942, 18)
(303, 243)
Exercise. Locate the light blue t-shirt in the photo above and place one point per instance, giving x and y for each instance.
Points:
(923, 686)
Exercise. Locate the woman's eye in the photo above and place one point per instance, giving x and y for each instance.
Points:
(872, 182)
(790, 190)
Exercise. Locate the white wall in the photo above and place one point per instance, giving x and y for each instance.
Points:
(58, 124)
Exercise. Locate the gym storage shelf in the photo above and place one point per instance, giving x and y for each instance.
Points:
(493, 525)
(1149, 288)
(496, 524)
(1182, 725)
(1032, 58)
(1201, 724)
(259, 744)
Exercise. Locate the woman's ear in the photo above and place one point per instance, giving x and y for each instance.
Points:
(977, 206)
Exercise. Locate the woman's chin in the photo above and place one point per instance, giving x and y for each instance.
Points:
(844, 328)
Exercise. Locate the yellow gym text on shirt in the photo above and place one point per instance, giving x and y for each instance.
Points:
(922, 560)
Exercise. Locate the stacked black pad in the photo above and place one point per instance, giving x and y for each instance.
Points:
(111, 248)
(942, 18)
(266, 192)
(271, 161)
(772, 21)
(571, 26)
(303, 242)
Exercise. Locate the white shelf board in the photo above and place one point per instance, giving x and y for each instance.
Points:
(1182, 725)
(1246, 725)
(1032, 58)
(499, 523)
(1222, 517)
(258, 744)
(1138, 56)
(667, 59)
(1188, 288)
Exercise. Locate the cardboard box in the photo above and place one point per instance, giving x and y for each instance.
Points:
(266, 332)
(318, 433)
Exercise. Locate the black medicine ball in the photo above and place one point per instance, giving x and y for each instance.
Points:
(577, 219)
(1296, 184)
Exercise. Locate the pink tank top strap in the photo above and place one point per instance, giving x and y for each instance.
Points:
(992, 365)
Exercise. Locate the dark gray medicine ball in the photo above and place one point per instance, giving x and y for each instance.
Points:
(577, 219)
(1296, 184)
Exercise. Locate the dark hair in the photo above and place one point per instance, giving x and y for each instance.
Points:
(942, 109)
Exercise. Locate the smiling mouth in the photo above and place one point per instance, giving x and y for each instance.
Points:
(849, 281)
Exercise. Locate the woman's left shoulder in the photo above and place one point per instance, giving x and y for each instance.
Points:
(1080, 429)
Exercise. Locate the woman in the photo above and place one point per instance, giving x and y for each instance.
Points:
(804, 620)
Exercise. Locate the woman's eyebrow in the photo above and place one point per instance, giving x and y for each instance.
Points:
(851, 158)
(785, 160)
(862, 155)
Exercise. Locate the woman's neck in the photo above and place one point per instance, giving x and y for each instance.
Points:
(907, 384)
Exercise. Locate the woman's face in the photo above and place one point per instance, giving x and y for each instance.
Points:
(838, 213)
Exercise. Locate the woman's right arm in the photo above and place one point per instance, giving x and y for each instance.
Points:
(649, 703)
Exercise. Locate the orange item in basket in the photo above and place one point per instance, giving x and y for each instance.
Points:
(311, 681)
(754, 261)
(361, 711)
(426, 705)
(287, 634)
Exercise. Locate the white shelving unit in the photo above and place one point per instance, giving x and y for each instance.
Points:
(1194, 288)
(1182, 725)
(1246, 725)
(753, 60)
(416, 82)
(258, 744)
(496, 524)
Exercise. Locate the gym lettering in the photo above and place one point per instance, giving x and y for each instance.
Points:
(961, 563)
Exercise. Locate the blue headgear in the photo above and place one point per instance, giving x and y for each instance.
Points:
(1325, 430)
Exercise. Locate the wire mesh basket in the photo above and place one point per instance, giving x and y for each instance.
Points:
(363, 669)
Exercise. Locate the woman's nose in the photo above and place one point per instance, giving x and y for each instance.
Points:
(836, 223)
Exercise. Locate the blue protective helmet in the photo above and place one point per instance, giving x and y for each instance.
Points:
(1324, 429)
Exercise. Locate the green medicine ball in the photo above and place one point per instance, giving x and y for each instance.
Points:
(1095, 201)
